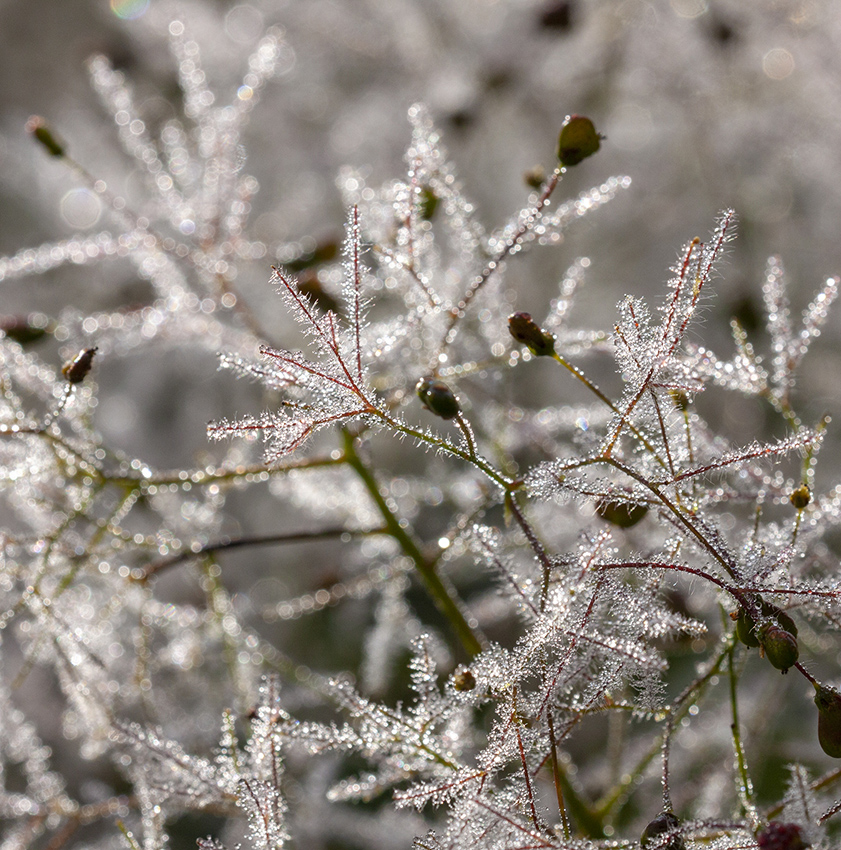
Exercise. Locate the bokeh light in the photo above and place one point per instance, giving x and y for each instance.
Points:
(80, 208)
(129, 10)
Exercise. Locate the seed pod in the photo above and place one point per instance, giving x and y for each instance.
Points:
(781, 836)
(780, 646)
(800, 497)
(525, 330)
(438, 398)
(664, 823)
(464, 680)
(828, 701)
(76, 369)
(623, 514)
(577, 141)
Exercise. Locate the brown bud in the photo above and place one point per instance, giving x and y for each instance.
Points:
(800, 497)
(781, 836)
(525, 330)
(664, 823)
(438, 398)
(76, 369)
(464, 680)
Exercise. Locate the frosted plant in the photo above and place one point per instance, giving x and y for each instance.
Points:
(574, 588)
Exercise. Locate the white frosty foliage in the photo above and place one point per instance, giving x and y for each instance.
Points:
(173, 780)
(563, 576)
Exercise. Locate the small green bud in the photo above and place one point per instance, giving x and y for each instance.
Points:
(76, 369)
(438, 398)
(828, 701)
(623, 514)
(800, 497)
(525, 330)
(664, 823)
(780, 646)
(42, 133)
(464, 680)
(577, 141)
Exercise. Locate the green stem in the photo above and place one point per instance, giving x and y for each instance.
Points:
(441, 594)
(589, 822)
(745, 786)
(444, 445)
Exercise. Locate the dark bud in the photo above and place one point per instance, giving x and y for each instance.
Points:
(661, 825)
(525, 330)
(464, 680)
(76, 369)
(623, 514)
(557, 15)
(722, 32)
(535, 177)
(25, 329)
(800, 497)
(781, 836)
(42, 133)
(578, 140)
(828, 702)
(780, 646)
(438, 398)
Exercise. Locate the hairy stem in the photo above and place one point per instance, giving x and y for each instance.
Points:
(443, 596)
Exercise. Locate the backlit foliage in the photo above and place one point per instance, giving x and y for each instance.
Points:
(537, 625)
